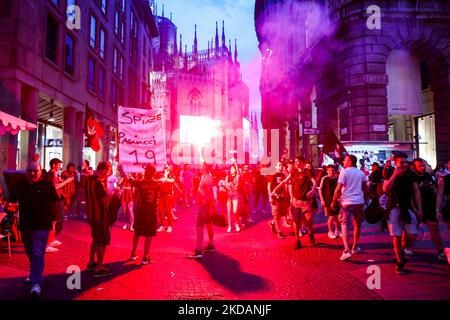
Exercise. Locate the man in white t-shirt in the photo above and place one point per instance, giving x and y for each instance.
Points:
(353, 184)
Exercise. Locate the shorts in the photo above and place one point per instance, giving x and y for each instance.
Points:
(279, 208)
(330, 212)
(352, 210)
(145, 221)
(204, 214)
(58, 210)
(101, 233)
(301, 208)
(396, 226)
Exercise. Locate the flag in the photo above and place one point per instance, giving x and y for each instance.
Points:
(334, 148)
(93, 130)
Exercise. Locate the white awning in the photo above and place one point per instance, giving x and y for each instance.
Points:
(12, 124)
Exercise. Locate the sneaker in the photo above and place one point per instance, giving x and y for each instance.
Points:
(124, 227)
(280, 235)
(197, 255)
(229, 229)
(160, 229)
(132, 258)
(304, 230)
(250, 220)
(272, 226)
(169, 229)
(409, 252)
(297, 245)
(102, 273)
(346, 255)
(55, 243)
(35, 291)
(357, 250)
(51, 249)
(312, 239)
(442, 256)
(400, 268)
(237, 228)
(131, 229)
(210, 248)
(91, 266)
(27, 280)
(338, 234)
(332, 235)
(146, 261)
(447, 253)
(174, 217)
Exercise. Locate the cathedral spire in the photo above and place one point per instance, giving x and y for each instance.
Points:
(181, 45)
(185, 58)
(217, 38)
(223, 34)
(175, 49)
(235, 51)
(208, 49)
(195, 44)
(230, 56)
(162, 12)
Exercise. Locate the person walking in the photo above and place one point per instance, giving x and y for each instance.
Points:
(327, 187)
(147, 194)
(404, 208)
(352, 183)
(97, 201)
(207, 207)
(69, 190)
(36, 198)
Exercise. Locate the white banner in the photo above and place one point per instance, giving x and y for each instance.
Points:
(141, 139)
(404, 91)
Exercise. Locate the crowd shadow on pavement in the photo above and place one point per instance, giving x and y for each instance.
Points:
(227, 272)
(55, 286)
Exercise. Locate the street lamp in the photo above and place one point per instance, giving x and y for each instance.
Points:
(51, 118)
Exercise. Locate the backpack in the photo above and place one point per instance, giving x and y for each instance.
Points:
(374, 212)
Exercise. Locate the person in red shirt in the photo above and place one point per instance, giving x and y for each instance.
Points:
(127, 197)
(167, 183)
(70, 189)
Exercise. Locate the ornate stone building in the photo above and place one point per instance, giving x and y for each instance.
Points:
(49, 72)
(199, 88)
(328, 66)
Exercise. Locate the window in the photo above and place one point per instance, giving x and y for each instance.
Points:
(71, 13)
(91, 74)
(116, 22)
(51, 38)
(121, 68)
(56, 2)
(123, 5)
(101, 82)
(104, 6)
(122, 32)
(93, 31)
(115, 61)
(102, 43)
(70, 47)
(114, 95)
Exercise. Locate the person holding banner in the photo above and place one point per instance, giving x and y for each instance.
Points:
(146, 195)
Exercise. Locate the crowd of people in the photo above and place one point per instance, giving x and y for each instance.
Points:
(410, 193)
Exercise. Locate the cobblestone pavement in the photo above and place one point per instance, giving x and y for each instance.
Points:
(250, 265)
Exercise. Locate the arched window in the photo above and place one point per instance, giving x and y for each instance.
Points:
(195, 101)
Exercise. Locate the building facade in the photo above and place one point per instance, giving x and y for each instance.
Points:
(202, 94)
(59, 56)
(378, 76)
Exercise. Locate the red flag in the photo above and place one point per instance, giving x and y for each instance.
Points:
(93, 130)
(334, 148)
